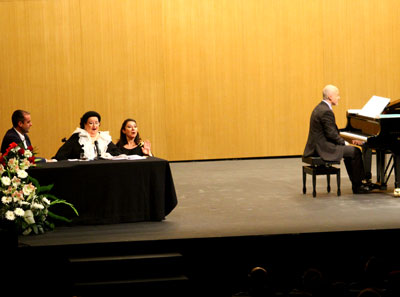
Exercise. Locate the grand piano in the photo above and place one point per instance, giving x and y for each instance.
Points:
(381, 134)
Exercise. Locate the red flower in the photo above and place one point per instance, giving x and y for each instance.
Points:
(30, 148)
(31, 159)
(12, 145)
(21, 151)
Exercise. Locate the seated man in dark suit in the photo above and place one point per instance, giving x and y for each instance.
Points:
(324, 140)
(21, 121)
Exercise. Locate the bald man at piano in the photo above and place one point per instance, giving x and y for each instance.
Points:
(324, 141)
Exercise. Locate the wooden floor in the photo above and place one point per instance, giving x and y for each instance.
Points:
(253, 197)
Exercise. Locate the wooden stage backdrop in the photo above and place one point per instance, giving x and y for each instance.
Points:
(205, 79)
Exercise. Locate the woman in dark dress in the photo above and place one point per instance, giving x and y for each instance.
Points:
(87, 142)
(130, 142)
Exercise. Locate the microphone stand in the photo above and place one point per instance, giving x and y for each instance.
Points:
(96, 144)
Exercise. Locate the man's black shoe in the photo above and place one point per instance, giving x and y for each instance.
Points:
(363, 189)
(370, 185)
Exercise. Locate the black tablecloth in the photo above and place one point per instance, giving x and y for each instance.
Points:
(110, 191)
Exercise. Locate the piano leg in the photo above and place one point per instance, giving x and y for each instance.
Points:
(328, 182)
(314, 182)
(396, 164)
(380, 169)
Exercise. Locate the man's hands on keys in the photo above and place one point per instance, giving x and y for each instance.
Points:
(357, 142)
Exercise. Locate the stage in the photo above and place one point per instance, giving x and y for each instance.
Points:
(232, 215)
(250, 197)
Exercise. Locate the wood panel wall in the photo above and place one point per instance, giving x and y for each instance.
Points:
(205, 79)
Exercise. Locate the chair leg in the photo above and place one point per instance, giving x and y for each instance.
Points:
(304, 181)
(314, 181)
(328, 181)
(338, 183)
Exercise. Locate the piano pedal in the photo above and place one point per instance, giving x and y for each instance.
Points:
(396, 192)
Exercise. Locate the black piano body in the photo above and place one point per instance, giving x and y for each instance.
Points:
(381, 134)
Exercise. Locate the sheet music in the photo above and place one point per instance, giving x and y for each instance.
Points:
(374, 107)
(127, 157)
(119, 157)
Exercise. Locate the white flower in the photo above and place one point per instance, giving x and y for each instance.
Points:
(22, 174)
(13, 164)
(19, 212)
(10, 215)
(25, 164)
(6, 199)
(16, 181)
(9, 190)
(17, 196)
(27, 153)
(28, 189)
(6, 180)
(28, 217)
(37, 205)
(45, 200)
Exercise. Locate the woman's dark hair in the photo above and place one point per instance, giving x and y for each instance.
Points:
(122, 137)
(88, 115)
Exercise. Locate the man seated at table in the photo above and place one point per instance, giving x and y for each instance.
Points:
(87, 142)
(22, 122)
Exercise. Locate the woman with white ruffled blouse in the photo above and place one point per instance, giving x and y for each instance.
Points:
(87, 142)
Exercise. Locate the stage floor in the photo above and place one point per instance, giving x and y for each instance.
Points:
(245, 198)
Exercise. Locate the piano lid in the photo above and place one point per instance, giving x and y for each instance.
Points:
(392, 107)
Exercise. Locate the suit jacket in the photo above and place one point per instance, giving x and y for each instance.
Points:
(12, 136)
(323, 137)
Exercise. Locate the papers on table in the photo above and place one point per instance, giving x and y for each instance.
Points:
(120, 157)
(126, 157)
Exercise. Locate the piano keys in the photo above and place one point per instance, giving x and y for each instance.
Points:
(351, 136)
(382, 134)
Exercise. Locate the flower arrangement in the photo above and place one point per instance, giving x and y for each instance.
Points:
(23, 200)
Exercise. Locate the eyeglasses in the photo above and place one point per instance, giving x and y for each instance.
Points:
(93, 123)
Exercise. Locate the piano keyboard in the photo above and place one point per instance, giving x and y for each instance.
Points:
(353, 136)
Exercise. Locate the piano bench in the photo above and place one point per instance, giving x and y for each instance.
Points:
(317, 166)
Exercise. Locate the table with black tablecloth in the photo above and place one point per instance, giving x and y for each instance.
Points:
(110, 191)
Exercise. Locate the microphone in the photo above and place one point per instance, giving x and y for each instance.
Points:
(97, 149)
